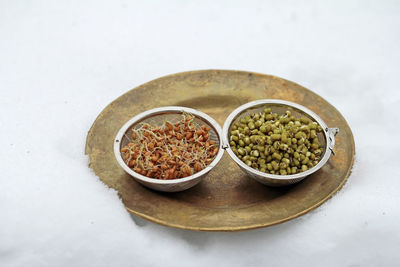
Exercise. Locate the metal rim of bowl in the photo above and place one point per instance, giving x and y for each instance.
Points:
(234, 114)
(156, 111)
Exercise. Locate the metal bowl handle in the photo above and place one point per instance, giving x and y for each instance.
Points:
(332, 132)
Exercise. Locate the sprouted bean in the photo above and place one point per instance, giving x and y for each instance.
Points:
(171, 151)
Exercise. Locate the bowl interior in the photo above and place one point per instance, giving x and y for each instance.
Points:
(279, 109)
(158, 119)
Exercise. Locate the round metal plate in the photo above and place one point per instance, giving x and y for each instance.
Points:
(227, 199)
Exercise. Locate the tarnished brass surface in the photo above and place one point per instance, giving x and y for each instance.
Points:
(226, 200)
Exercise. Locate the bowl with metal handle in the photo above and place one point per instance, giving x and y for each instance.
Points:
(326, 138)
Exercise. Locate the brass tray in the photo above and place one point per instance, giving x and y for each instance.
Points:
(226, 200)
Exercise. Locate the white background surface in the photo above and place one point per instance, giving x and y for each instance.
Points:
(62, 62)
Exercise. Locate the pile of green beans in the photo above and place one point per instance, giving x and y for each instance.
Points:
(276, 144)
